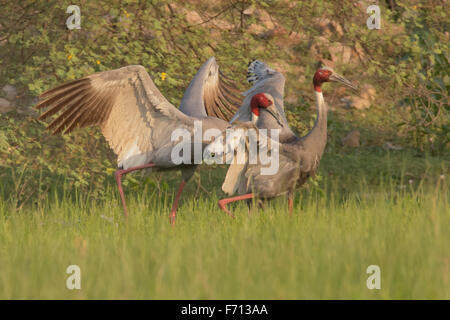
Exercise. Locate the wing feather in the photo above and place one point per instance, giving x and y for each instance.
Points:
(62, 98)
(221, 98)
(263, 79)
(71, 108)
(201, 98)
(124, 103)
(61, 88)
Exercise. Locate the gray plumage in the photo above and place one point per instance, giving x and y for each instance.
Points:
(270, 81)
(298, 158)
(138, 121)
(211, 93)
(297, 161)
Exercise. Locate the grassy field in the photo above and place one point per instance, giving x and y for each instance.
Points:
(369, 208)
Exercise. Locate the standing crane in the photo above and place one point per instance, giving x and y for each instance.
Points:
(298, 158)
(137, 120)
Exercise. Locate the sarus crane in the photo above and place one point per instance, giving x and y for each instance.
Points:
(137, 120)
(298, 157)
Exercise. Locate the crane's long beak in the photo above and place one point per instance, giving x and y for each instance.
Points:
(275, 114)
(338, 78)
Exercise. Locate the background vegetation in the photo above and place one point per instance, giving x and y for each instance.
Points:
(385, 166)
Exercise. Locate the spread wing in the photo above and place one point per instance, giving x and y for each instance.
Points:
(124, 103)
(221, 97)
(211, 93)
(263, 79)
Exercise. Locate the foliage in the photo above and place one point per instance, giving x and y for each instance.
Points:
(30, 169)
(428, 82)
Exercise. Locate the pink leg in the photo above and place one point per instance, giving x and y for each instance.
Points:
(118, 174)
(291, 205)
(223, 202)
(175, 203)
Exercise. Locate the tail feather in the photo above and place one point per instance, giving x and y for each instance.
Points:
(256, 71)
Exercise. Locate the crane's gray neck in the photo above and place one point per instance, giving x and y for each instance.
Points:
(316, 139)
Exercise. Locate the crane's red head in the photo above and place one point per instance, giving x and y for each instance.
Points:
(322, 75)
(259, 100)
(325, 74)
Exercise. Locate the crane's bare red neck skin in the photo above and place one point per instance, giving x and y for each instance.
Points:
(320, 77)
(259, 101)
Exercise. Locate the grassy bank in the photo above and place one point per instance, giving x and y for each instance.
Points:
(396, 217)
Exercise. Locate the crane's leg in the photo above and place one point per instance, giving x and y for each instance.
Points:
(118, 175)
(291, 205)
(175, 202)
(223, 202)
(291, 202)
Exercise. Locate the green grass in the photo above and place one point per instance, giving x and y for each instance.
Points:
(363, 212)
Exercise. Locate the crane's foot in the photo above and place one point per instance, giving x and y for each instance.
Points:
(223, 205)
(172, 217)
(223, 202)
